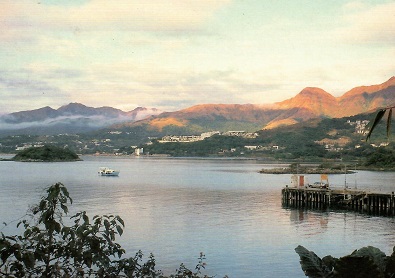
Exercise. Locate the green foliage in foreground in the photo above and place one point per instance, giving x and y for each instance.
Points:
(46, 153)
(367, 262)
(49, 248)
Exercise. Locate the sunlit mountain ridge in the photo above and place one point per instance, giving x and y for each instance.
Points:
(309, 103)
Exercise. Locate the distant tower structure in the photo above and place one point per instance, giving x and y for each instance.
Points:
(138, 151)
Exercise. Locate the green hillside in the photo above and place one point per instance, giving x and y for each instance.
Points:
(313, 140)
(46, 153)
(337, 139)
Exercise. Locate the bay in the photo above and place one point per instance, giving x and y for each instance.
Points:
(177, 208)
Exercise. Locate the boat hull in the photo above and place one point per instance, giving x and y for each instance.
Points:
(107, 172)
(112, 174)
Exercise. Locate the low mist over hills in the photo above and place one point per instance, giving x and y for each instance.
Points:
(308, 104)
(71, 118)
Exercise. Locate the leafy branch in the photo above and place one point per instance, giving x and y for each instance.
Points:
(49, 248)
(366, 262)
(380, 114)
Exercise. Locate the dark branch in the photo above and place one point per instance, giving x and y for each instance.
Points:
(379, 116)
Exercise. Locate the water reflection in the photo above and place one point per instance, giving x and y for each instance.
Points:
(177, 208)
(310, 223)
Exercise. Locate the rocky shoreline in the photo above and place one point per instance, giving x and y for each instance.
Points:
(304, 170)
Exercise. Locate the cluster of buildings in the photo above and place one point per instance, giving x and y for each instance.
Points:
(336, 145)
(26, 146)
(360, 126)
(195, 138)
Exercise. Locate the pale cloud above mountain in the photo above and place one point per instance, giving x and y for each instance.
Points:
(174, 54)
(103, 15)
(365, 23)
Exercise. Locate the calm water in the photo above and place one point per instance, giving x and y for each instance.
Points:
(177, 208)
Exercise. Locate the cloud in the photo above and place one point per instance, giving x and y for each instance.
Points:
(67, 123)
(79, 35)
(128, 84)
(368, 24)
(154, 15)
(153, 86)
(177, 53)
(29, 89)
(7, 122)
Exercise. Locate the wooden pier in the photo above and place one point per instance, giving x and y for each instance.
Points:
(350, 199)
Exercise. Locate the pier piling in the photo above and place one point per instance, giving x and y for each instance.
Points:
(351, 199)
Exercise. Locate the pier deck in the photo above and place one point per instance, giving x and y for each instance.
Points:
(351, 199)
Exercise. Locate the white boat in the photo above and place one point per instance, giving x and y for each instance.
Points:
(105, 171)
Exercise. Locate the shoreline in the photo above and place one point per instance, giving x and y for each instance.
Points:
(284, 170)
(310, 171)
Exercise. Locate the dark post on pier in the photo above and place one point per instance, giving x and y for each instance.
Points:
(350, 199)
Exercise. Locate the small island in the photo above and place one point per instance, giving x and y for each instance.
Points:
(47, 153)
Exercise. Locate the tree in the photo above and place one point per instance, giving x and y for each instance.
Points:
(87, 248)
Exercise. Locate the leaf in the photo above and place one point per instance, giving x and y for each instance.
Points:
(57, 227)
(120, 220)
(4, 255)
(390, 267)
(64, 208)
(119, 229)
(376, 255)
(66, 193)
(80, 231)
(361, 267)
(378, 118)
(389, 119)
(329, 262)
(28, 260)
(87, 258)
(107, 239)
(42, 206)
(86, 218)
(107, 224)
(17, 252)
(311, 264)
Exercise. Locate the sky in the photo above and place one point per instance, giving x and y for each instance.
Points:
(174, 54)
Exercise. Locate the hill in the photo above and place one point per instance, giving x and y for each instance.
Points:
(46, 153)
(141, 123)
(337, 139)
(318, 138)
(70, 118)
(308, 104)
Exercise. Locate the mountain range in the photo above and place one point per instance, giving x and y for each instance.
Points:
(310, 103)
(70, 118)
